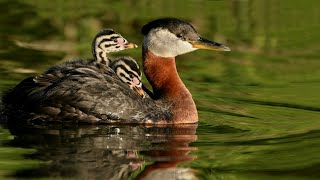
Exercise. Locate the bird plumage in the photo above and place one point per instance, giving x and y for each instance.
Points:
(93, 93)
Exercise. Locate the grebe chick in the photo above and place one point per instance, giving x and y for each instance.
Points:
(108, 41)
(126, 68)
(105, 42)
(129, 72)
(94, 94)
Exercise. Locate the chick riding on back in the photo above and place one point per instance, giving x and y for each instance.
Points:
(129, 72)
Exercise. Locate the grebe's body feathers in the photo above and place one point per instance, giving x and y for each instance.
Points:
(92, 92)
(89, 94)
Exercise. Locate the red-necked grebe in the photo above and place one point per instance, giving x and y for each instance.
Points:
(95, 94)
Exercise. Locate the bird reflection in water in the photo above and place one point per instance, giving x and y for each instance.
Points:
(109, 151)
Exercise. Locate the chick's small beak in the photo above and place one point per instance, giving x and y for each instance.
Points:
(203, 43)
(139, 90)
(130, 45)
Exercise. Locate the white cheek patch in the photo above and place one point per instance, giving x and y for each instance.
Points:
(163, 43)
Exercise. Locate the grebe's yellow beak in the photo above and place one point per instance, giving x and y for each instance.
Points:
(203, 43)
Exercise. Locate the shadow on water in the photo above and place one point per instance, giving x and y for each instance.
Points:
(107, 152)
(276, 104)
(225, 112)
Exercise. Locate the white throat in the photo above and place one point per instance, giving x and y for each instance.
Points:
(163, 43)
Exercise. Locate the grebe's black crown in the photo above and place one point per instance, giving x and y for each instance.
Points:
(175, 26)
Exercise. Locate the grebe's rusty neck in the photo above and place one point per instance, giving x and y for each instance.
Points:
(162, 74)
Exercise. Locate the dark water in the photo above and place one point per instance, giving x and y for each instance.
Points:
(259, 105)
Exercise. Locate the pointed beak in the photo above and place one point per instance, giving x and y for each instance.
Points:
(130, 45)
(203, 43)
(139, 90)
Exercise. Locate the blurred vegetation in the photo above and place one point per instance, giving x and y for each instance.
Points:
(265, 36)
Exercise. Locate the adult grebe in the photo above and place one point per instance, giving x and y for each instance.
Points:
(97, 95)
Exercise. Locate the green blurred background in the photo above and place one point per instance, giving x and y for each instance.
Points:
(258, 104)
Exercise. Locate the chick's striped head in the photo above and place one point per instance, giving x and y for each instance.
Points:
(107, 41)
(127, 69)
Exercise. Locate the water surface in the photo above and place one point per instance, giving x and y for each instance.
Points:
(259, 105)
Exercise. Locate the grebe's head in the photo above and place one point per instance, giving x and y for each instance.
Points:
(169, 37)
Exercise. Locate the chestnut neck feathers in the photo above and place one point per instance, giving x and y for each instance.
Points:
(162, 74)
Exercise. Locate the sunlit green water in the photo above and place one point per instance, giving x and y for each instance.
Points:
(259, 105)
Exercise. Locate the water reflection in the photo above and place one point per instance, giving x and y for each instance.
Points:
(109, 151)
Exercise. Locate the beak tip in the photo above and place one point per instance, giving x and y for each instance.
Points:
(139, 90)
(130, 45)
(225, 48)
(203, 43)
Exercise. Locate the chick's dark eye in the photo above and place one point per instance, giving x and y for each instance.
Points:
(179, 35)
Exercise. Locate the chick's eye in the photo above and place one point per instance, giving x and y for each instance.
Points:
(179, 35)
